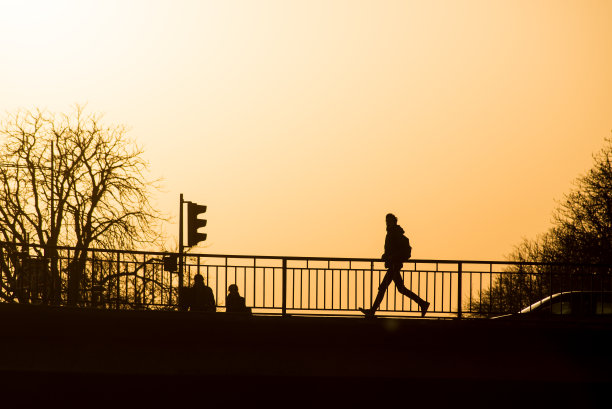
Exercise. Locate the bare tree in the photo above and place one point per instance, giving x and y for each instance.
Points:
(70, 180)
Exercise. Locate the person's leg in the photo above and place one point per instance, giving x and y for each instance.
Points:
(382, 288)
(401, 287)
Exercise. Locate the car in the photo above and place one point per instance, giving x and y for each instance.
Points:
(578, 305)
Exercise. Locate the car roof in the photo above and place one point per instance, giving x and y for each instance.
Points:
(557, 295)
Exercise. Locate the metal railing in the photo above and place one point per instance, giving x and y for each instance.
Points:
(289, 285)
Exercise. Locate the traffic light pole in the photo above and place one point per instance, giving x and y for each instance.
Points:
(180, 262)
(193, 237)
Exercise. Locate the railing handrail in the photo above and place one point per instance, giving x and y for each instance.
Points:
(314, 258)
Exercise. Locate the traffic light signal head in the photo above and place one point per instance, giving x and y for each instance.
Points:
(170, 263)
(193, 223)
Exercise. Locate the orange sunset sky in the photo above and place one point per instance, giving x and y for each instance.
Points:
(302, 123)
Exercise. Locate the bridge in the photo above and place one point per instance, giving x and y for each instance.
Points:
(56, 356)
(126, 342)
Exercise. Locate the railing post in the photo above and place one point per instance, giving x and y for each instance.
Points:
(371, 284)
(459, 289)
(284, 295)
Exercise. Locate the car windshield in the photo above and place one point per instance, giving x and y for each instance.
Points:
(539, 304)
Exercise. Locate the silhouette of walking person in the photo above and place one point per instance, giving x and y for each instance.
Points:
(234, 302)
(394, 258)
(202, 297)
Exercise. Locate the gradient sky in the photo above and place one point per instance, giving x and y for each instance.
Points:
(302, 123)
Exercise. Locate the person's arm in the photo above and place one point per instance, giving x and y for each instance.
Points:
(385, 255)
(211, 298)
(229, 303)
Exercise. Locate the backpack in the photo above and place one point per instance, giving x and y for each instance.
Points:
(405, 249)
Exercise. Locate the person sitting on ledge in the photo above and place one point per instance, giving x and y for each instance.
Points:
(202, 297)
(234, 302)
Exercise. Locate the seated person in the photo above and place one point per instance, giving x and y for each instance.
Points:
(234, 302)
(201, 297)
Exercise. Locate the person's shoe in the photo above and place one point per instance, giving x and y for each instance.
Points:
(367, 312)
(424, 308)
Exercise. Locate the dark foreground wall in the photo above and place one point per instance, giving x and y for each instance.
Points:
(88, 358)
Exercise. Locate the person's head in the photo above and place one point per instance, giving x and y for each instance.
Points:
(391, 219)
(233, 289)
(198, 279)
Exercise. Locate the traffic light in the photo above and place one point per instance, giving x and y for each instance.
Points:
(170, 263)
(193, 223)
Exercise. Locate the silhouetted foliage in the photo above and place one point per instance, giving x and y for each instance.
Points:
(574, 254)
(67, 179)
